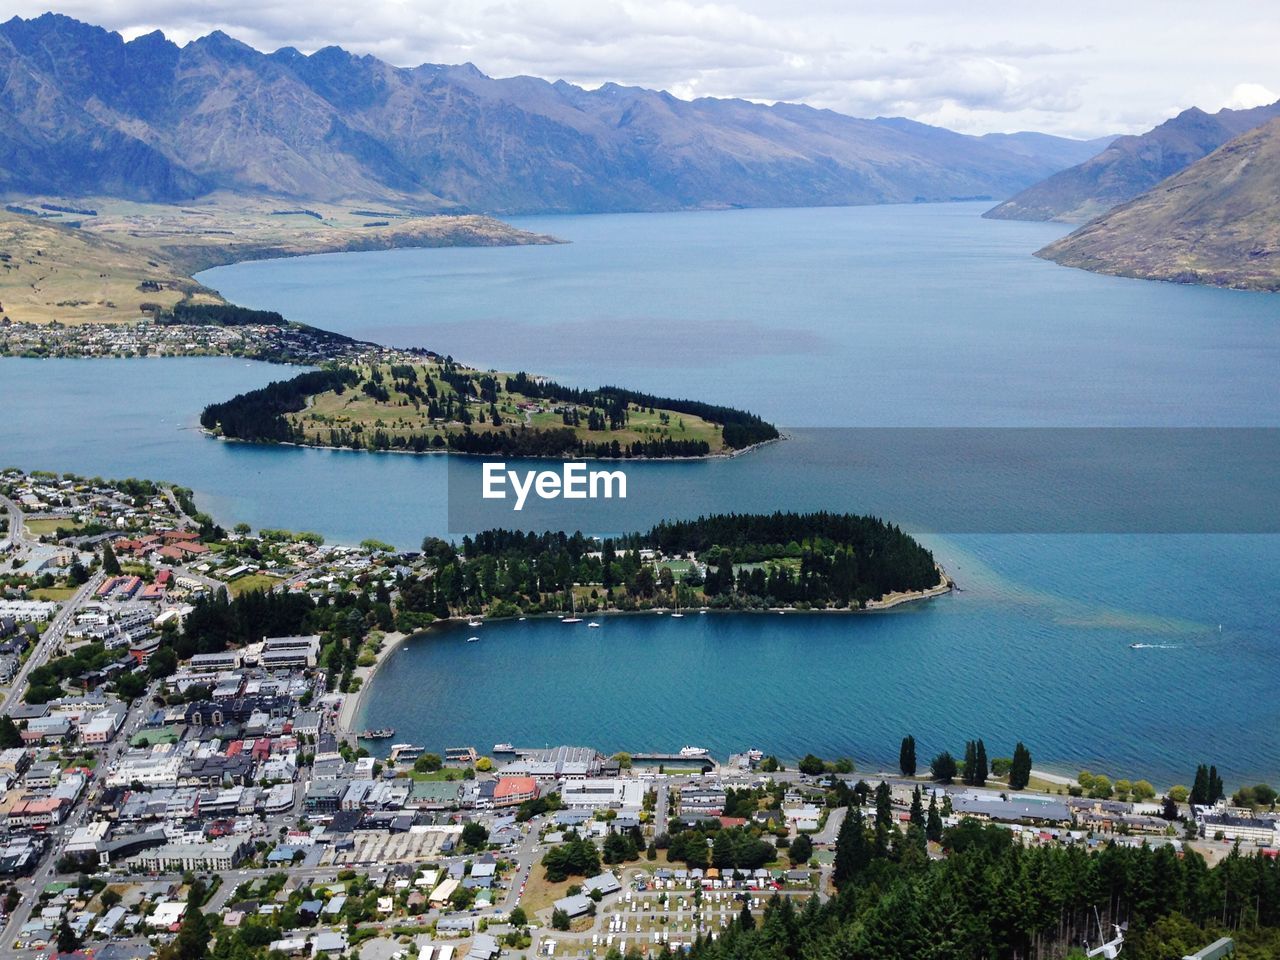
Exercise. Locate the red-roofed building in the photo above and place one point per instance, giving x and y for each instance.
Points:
(513, 791)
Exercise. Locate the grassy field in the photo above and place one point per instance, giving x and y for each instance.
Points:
(250, 582)
(540, 893)
(53, 593)
(49, 525)
(50, 273)
(403, 415)
(96, 272)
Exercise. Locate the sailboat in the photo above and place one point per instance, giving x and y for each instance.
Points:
(675, 590)
(573, 616)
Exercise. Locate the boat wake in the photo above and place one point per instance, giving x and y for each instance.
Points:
(1153, 646)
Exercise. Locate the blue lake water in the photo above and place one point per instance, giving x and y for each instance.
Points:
(816, 319)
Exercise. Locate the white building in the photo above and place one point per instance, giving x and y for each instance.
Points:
(603, 794)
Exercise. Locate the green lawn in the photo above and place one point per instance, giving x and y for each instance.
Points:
(38, 528)
(398, 416)
(53, 593)
(251, 581)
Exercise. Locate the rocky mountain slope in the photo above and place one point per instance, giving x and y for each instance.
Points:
(1216, 222)
(82, 112)
(1130, 165)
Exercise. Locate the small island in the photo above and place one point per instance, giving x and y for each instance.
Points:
(779, 561)
(424, 403)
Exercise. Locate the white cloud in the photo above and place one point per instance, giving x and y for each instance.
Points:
(1085, 68)
(1246, 95)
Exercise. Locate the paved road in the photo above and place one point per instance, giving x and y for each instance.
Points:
(832, 827)
(525, 857)
(660, 808)
(49, 641)
(17, 523)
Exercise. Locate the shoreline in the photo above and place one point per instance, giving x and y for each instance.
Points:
(350, 708)
(446, 452)
(891, 600)
(347, 713)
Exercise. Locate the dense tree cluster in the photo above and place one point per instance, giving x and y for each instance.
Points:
(843, 557)
(991, 897)
(976, 769)
(741, 429)
(815, 560)
(1207, 787)
(259, 415)
(219, 314)
(741, 847)
(342, 622)
(216, 621)
(576, 857)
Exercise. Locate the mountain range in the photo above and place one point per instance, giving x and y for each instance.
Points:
(1216, 222)
(84, 113)
(1131, 165)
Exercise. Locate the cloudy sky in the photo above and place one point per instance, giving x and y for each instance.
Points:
(1078, 68)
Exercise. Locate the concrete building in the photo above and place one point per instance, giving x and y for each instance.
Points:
(196, 856)
(624, 794)
(288, 653)
(1233, 828)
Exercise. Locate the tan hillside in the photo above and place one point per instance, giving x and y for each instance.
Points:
(122, 254)
(1217, 222)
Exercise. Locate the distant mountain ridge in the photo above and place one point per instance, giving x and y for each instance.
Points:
(1217, 222)
(1130, 165)
(82, 112)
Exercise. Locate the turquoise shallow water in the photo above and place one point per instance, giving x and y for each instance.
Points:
(824, 318)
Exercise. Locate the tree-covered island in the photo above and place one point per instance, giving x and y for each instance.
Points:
(436, 404)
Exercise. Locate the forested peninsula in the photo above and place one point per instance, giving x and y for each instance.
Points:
(434, 404)
(809, 561)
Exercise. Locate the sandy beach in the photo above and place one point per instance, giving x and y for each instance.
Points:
(351, 701)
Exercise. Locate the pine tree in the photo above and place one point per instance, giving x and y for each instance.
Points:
(68, 942)
(980, 768)
(1200, 786)
(10, 735)
(884, 804)
(917, 808)
(852, 854)
(884, 818)
(933, 826)
(907, 756)
(745, 919)
(110, 565)
(1020, 768)
(970, 761)
(1216, 790)
(944, 767)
